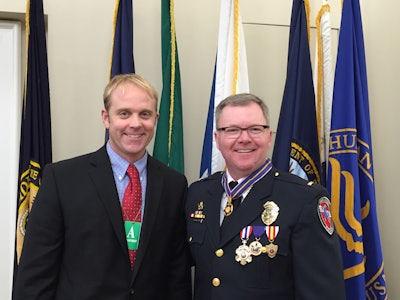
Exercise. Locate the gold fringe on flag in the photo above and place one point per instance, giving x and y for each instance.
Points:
(236, 46)
(325, 8)
(173, 61)
(113, 34)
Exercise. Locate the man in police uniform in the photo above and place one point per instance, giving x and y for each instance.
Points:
(271, 235)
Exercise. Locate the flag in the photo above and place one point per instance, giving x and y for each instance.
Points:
(122, 50)
(35, 145)
(350, 171)
(323, 82)
(168, 144)
(230, 77)
(122, 41)
(296, 147)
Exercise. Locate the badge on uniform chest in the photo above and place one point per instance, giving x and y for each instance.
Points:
(198, 215)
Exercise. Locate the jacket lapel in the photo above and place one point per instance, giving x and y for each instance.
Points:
(153, 198)
(102, 176)
(212, 210)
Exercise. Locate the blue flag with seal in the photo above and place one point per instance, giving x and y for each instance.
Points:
(296, 147)
(350, 171)
(35, 145)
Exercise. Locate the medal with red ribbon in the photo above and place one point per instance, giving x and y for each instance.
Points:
(243, 255)
(271, 249)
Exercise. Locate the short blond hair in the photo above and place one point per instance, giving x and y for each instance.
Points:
(132, 78)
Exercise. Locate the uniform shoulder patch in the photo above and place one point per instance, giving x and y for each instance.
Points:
(324, 214)
(214, 176)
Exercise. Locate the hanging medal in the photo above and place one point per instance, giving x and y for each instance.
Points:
(271, 249)
(255, 246)
(242, 187)
(243, 255)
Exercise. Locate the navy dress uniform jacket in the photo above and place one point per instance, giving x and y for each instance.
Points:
(75, 246)
(308, 264)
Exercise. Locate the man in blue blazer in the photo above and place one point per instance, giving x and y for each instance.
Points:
(75, 245)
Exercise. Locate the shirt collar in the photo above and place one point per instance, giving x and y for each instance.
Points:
(119, 165)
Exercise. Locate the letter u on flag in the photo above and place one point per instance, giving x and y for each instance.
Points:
(350, 171)
(230, 77)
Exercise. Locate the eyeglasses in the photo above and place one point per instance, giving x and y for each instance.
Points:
(233, 132)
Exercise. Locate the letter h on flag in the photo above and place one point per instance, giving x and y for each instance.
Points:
(350, 170)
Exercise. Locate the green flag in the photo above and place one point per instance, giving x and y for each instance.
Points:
(168, 145)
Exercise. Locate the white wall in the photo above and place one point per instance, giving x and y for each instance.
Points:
(79, 41)
(10, 103)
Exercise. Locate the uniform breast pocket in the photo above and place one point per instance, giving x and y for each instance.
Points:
(196, 232)
(272, 265)
(196, 235)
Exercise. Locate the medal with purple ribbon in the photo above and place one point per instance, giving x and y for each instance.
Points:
(255, 246)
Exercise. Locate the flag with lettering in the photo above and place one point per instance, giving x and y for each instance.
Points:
(230, 77)
(350, 171)
(35, 145)
(168, 144)
(296, 147)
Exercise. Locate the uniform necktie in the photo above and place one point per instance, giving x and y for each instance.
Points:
(235, 201)
(132, 203)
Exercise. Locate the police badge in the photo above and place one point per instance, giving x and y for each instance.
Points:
(270, 213)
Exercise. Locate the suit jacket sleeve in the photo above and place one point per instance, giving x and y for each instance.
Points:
(40, 260)
(180, 276)
(165, 200)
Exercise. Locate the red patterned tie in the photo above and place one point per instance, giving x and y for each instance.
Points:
(132, 203)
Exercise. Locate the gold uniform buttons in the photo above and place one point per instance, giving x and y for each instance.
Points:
(216, 282)
(219, 252)
(190, 239)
